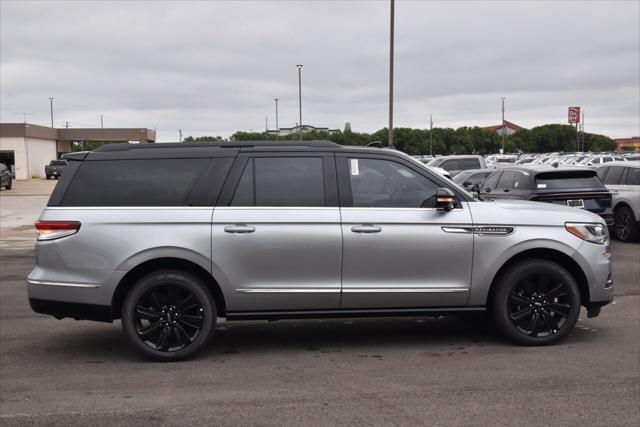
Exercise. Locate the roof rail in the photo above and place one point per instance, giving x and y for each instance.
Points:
(221, 144)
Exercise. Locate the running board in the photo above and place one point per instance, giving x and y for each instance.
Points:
(384, 312)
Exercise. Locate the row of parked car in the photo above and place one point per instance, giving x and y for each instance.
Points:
(604, 183)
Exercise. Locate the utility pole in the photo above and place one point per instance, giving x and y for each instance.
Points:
(51, 107)
(582, 128)
(24, 116)
(391, 25)
(300, 98)
(502, 129)
(66, 125)
(266, 124)
(179, 135)
(101, 121)
(431, 134)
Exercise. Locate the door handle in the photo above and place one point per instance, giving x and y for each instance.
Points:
(366, 228)
(506, 190)
(239, 229)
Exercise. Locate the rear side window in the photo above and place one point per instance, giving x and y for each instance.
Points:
(470, 164)
(568, 180)
(281, 181)
(633, 176)
(602, 171)
(149, 182)
(506, 180)
(522, 181)
(614, 175)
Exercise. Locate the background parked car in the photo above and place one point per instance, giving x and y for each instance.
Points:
(623, 179)
(455, 164)
(5, 177)
(469, 178)
(577, 187)
(55, 168)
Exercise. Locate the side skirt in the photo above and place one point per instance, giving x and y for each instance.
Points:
(382, 312)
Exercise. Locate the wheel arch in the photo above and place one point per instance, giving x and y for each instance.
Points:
(547, 254)
(146, 267)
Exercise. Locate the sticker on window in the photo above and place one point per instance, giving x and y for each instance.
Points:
(542, 185)
(354, 167)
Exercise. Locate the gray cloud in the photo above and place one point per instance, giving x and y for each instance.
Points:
(215, 67)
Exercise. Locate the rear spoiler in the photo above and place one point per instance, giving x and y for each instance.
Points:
(78, 155)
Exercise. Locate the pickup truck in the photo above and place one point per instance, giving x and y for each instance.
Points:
(54, 169)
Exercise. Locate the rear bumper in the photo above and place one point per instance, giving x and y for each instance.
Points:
(60, 310)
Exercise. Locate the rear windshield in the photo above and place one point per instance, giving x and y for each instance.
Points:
(568, 179)
(58, 163)
(148, 182)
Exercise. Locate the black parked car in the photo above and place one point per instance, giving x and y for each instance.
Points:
(469, 178)
(576, 187)
(5, 177)
(55, 168)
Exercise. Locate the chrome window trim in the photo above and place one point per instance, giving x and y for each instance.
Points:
(92, 208)
(404, 290)
(63, 284)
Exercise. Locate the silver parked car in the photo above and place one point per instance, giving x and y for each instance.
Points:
(623, 179)
(170, 237)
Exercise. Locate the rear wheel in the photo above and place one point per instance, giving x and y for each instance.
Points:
(625, 226)
(48, 177)
(168, 315)
(536, 302)
(9, 184)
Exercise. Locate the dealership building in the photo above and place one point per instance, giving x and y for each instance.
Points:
(26, 148)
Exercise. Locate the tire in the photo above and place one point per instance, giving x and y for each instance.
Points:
(9, 185)
(168, 315)
(625, 226)
(48, 177)
(535, 302)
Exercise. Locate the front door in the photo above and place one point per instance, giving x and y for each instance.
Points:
(399, 251)
(277, 244)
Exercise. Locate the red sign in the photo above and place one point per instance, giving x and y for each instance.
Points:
(574, 115)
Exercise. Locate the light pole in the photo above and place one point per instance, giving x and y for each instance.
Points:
(300, 98)
(503, 129)
(51, 105)
(276, 99)
(101, 121)
(390, 139)
(430, 134)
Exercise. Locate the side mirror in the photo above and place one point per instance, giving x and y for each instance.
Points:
(445, 199)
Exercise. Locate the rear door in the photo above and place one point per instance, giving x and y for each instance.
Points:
(399, 251)
(276, 242)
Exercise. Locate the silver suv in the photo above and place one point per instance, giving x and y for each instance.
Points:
(623, 179)
(171, 237)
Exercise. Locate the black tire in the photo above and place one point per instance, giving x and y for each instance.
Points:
(168, 315)
(9, 185)
(535, 302)
(626, 227)
(48, 177)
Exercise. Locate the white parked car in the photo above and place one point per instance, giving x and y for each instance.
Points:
(623, 180)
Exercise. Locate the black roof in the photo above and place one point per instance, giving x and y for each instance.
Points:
(220, 144)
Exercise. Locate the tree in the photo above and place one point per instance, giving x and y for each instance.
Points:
(202, 139)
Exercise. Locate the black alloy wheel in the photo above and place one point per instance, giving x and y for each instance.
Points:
(535, 302)
(625, 225)
(539, 305)
(169, 315)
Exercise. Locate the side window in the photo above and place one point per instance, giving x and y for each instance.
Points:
(281, 181)
(607, 159)
(470, 164)
(506, 180)
(522, 181)
(476, 178)
(633, 176)
(491, 181)
(149, 182)
(450, 165)
(613, 176)
(387, 184)
(602, 172)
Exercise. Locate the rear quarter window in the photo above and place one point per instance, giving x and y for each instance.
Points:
(148, 182)
(632, 177)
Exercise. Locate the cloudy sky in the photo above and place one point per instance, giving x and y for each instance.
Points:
(211, 68)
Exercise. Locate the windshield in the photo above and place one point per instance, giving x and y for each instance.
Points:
(58, 163)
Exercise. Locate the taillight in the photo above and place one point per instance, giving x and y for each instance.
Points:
(49, 230)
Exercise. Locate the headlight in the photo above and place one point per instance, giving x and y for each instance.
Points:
(594, 233)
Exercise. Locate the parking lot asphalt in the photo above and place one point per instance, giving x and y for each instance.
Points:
(396, 371)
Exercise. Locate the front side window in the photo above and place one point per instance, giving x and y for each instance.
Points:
(387, 184)
(491, 181)
(506, 180)
(281, 181)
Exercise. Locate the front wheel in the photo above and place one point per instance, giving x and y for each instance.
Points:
(168, 315)
(536, 302)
